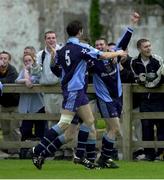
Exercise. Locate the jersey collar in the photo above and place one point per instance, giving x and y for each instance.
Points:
(73, 40)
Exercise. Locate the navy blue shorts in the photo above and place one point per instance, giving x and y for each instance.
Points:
(74, 99)
(110, 109)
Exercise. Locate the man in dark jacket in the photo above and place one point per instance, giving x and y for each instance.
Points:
(147, 71)
(8, 101)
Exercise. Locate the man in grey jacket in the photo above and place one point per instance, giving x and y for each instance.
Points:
(52, 101)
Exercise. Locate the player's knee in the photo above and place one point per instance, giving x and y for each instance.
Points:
(65, 121)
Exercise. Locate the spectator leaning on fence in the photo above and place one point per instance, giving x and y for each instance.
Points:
(31, 103)
(8, 101)
(148, 70)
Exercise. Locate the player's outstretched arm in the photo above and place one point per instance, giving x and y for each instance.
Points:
(108, 55)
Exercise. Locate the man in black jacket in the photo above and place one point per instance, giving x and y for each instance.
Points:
(8, 101)
(147, 69)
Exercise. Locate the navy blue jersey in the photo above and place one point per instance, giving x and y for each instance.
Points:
(106, 77)
(73, 59)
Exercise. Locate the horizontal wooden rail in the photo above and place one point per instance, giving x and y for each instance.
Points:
(29, 116)
(141, 89)
(37, 88)
(148, 115)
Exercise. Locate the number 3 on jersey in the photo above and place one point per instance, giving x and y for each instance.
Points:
(67, 57)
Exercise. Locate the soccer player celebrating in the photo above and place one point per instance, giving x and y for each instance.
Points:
(72, 59)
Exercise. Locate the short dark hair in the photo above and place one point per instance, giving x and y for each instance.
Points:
(102, 39)
(48, 32)
(74, 27)
(31, 48)
(5, 52)
(111, 44)
(140, 41)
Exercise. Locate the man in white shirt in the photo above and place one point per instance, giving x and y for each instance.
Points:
(52, 101)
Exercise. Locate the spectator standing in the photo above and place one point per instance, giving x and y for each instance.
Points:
(147, 69)
(30, 50)
(52, 101)
(111, 46)
(9, 101)
(30, 103)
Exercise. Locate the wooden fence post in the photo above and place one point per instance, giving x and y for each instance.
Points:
(127, 124)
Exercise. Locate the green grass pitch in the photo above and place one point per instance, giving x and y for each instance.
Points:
(23, 169)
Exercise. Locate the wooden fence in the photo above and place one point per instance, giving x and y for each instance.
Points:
(126, 144)
(129, 115)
